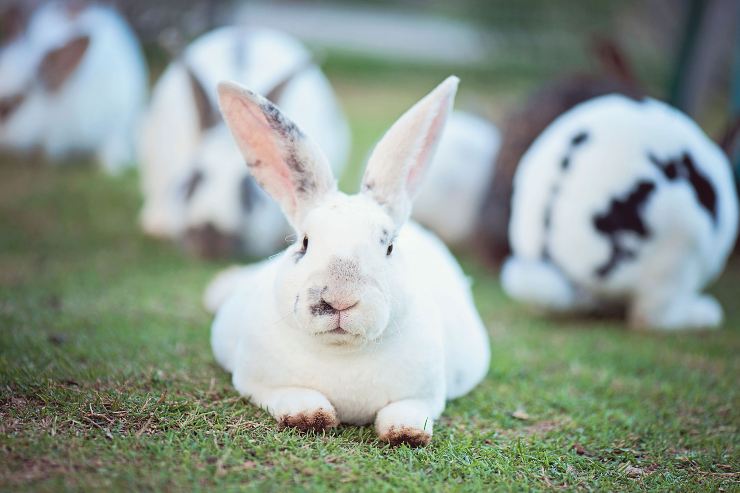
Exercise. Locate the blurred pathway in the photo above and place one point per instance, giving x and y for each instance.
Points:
(374, 31)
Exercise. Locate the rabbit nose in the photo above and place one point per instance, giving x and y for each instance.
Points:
(340, 305)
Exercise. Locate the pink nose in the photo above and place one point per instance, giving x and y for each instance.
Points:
(341, 305)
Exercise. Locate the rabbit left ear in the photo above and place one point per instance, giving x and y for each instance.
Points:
(399, 161)
(59, 64)
(284, 161)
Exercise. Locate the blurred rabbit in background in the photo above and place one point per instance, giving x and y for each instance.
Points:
(196, 186)
(623, 201)
(524, 123)
(73, 80)
(449, 201)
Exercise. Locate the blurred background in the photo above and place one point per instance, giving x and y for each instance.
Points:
(382, 53)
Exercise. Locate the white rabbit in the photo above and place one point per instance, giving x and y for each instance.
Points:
(195, 184)
(74, 81)
(623, 201)
(452, 194)
(365, 318)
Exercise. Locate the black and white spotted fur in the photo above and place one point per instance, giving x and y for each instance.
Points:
(623, 201)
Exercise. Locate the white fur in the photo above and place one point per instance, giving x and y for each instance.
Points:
(452, 194)
(684, 249)
(172, 145)
(96, 109)
(413, 339)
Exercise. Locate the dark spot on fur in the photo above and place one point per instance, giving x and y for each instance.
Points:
(384, 236)
(623, 217)
(208, 117)
(702, 187)
(368, 187)
(60, 63)
(9, 104)
(192, 183)
(685, 168)
(565, 163)
(670, 169)
(248, 193)
(295, 304)
(322, 308)
(579, 139)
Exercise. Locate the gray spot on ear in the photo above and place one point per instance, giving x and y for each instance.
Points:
(278, 122)
(384, 237)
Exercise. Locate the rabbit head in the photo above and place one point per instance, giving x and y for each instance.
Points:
(337, 281)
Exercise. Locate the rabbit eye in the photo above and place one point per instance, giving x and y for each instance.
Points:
(305, 243)
(390, 249)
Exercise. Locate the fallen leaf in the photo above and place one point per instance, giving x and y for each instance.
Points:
(520, 414)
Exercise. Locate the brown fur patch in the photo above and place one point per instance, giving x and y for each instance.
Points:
(317, 420)
(413, 437)
(59, 64)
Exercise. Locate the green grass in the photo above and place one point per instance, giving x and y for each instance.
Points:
(107, 380)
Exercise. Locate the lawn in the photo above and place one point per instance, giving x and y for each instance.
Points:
(107, 380)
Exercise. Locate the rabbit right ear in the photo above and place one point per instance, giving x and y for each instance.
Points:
(283, 160)
(399, 161)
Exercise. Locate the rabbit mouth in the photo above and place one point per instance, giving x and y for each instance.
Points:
(338, 330)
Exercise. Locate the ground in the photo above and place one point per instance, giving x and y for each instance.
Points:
(107, 380)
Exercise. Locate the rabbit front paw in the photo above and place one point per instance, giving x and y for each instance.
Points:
(404, 422)
(303, 409)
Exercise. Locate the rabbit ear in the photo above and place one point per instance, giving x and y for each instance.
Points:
(283, 160)
(59, 64)
(400, 160)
